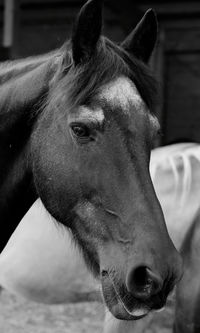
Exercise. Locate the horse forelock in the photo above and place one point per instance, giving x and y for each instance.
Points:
(79, 84)
(122, 92)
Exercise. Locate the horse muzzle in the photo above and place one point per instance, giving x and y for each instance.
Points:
(131, 305)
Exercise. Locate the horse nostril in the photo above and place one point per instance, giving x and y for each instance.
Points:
(104, 273)
(143, 283)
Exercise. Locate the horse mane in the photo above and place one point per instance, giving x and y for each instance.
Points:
(176, 159)
(77, 84)
(84, 81)
(22, 83)
(11, 69)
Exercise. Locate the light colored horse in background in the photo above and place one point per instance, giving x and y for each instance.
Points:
(175, 171)
(40, 261)
(181, 206)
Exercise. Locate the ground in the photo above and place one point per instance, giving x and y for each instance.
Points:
(20, 316)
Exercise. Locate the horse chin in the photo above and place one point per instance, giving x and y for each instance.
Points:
(118, 307)
(120, 311)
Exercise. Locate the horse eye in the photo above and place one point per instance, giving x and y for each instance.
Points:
(80, 131)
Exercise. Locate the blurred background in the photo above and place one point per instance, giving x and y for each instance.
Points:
(29, 27)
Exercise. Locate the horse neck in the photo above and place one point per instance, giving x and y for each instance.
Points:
(12, 69)
(20, 97)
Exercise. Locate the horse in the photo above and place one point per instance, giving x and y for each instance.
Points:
(175, 172)
(188, 292)
(31, 267)
(76, 128)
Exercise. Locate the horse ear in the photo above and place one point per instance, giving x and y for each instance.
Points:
(142, 39)
(87, 31)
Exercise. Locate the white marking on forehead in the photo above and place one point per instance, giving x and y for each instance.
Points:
(86, 113)
(122, 92)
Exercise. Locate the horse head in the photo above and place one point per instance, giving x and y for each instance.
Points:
(90, 154)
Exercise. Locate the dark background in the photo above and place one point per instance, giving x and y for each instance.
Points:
(32, 27)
